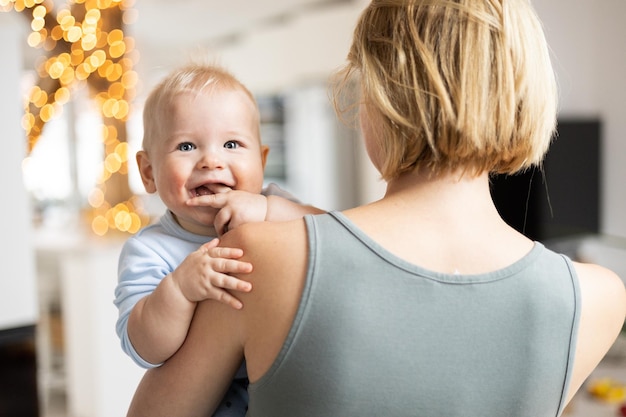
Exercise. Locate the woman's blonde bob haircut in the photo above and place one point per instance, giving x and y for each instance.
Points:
(194, 78)
(465, 84)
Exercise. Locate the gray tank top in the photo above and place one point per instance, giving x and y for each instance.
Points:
(375, 335)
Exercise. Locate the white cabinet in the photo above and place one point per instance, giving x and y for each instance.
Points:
(98, 378)
(321, 157)
(326, 162)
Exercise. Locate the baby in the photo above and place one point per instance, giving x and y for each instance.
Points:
(201, 139)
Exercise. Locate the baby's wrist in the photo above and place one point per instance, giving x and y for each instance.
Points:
(178, 289)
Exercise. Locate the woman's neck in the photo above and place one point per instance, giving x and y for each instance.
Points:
(443, 223)
(444, 190)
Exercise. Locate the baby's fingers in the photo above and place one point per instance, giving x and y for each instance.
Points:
(210, 245)
(222, 221)
(225, 297)
(218, 200)
(231, 283)
(231, 266)
(225, 253)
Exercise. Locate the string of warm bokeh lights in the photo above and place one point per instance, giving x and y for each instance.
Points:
(85, 42)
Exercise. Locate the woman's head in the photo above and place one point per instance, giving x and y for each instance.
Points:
(453, 84)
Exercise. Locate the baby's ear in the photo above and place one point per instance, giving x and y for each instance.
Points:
(145, 169)
(264, 151)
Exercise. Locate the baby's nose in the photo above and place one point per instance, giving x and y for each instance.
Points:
(210, 160)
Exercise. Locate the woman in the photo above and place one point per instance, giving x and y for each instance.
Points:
(424, 303)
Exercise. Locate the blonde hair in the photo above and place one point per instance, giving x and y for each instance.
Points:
(193, 78)
(454, 84)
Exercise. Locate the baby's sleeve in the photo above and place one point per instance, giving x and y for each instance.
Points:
(140, 270)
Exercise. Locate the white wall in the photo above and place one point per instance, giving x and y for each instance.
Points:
(588, 39)
(18, 306)
(307, 48)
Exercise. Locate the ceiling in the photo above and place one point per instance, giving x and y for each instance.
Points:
(166, 31)
(188, 21)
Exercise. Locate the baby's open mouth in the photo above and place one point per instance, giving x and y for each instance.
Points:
(208, 189)
(203, 190)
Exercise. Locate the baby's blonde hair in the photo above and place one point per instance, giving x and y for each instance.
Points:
(193, 78)
(454, 84)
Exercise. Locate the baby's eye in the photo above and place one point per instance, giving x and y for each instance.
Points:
(186, 146)
(231, 144)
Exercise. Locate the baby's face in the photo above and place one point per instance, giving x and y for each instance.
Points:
(212, 146)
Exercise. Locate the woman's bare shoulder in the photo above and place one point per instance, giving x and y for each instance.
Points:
(603, 298)
(278, 253)
(603, 301)
(257, 239)
(601, 283)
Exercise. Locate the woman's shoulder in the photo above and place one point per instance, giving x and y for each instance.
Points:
(265, 236)
(275, 249)
(601, 287)
(279, 255)
(603, 309)
(603, 297)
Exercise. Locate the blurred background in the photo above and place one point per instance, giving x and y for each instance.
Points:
(73, 79)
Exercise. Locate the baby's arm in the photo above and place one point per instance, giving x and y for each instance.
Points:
(159, 322)
(238, 207)
(282, 209)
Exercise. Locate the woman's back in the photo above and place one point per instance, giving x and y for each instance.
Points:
(376, 335)
(495, 323)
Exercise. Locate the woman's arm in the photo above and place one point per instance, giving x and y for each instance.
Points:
(603, 300)
(195, 379)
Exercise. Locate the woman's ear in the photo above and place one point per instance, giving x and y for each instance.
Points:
(145, 169)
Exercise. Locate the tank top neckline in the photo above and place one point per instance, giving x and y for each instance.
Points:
(451, 278)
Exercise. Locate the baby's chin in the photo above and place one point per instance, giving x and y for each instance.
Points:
(200, 222)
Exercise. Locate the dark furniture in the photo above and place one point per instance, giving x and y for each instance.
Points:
(564, 199)
(18, 373)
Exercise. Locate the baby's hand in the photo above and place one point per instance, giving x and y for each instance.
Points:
(236, 207)
(205, 274)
